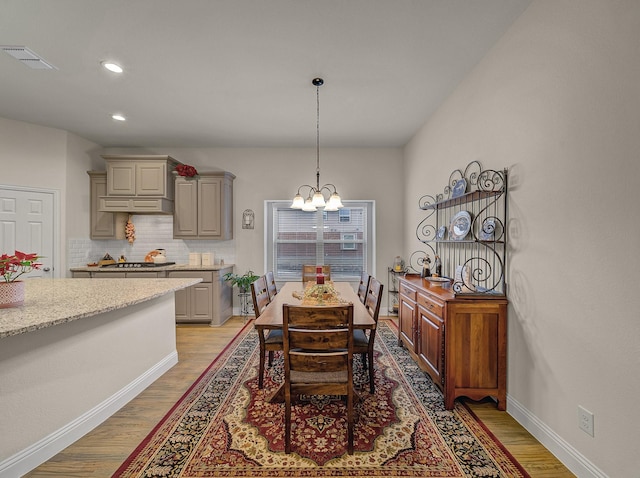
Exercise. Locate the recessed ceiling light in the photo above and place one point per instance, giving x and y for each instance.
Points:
(112, 66)
(118, 117)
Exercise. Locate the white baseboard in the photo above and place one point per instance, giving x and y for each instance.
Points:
(567, 454)
(36, 454)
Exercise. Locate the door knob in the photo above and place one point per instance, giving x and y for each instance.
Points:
(46, 269)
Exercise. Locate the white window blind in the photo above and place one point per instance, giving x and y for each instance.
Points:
(296, 237)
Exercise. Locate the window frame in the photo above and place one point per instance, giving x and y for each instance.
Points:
(369, 239)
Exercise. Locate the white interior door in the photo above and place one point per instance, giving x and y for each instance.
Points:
(27, 224)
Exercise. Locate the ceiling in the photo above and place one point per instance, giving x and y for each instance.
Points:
(237, 73)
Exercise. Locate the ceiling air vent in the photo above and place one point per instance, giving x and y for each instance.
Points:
(27, 57)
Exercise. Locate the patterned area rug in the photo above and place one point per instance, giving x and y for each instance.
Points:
(224, 426)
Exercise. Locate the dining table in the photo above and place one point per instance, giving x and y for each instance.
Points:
(271, 317)
(291, 293)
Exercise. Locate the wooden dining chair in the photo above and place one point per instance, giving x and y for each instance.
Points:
(309, 273)
(318, 358)
(270, 340)
(363, 286)
(272, 288)
(363, 341)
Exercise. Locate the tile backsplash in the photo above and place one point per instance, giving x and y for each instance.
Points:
(152, 232)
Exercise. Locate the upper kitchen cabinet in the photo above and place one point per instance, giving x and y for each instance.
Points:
(103, 225)
(204, 206)
(139, 184)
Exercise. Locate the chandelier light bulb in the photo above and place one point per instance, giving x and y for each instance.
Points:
(318, 199)
(298, 202)
(308, 206)
(335, 202)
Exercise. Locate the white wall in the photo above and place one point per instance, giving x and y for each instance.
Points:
(37, 156)
(275, 173)
(556, 101)
(48, 158)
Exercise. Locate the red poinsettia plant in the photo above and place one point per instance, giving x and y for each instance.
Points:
(12, 267)
(186, 170)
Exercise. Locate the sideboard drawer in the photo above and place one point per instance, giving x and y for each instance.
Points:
(430, 304)
(408, 291)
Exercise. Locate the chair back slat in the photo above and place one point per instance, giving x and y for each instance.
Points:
(260, 295)
(317, 317)
(374, 298)
(272, 288)
(318, 362)
(318, 339)
(363, 286)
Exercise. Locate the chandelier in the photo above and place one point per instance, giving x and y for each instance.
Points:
(316, 194)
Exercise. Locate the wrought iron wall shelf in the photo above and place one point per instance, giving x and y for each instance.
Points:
(465, 227)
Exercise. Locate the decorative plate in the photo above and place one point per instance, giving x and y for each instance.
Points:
(459, 188)
(488, 230)
(441, 232)
(460, 226)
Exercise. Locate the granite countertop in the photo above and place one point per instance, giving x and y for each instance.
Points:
(50, 302)
(173, 267)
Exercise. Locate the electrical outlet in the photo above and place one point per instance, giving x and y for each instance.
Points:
(585, 420)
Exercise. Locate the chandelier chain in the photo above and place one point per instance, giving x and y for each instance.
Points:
(318, 137)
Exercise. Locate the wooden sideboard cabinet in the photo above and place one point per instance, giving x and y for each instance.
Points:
(204, 206)
(460, 340)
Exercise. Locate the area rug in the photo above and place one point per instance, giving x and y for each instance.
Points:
(224, 426)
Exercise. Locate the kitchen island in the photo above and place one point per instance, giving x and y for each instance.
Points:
(73, 354)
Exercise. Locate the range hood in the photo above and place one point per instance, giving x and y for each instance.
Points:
(139, 184)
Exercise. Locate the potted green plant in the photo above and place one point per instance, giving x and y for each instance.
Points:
(242, 282)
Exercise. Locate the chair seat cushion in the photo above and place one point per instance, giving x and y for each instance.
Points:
(360, 339)
(318, 377)
(274, 337)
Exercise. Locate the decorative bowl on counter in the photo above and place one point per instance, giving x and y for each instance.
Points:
(438, 281)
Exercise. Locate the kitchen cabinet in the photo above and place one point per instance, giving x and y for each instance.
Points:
(103, 225)
(140, 175)
(195, 303)
(139, 184)
(118, 275)
(460, 340)
(204, 206)
(210, 301)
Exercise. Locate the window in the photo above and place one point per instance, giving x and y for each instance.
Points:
(344, 214)
(343, 239)
(348, 246)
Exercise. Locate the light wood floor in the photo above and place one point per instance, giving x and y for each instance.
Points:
(100, 452)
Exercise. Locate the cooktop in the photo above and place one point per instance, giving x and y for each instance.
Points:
(135, 265)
